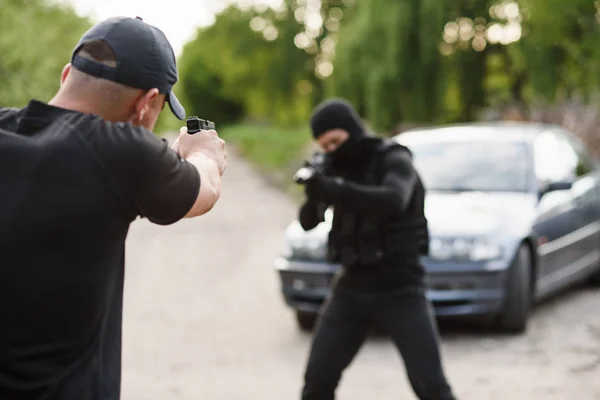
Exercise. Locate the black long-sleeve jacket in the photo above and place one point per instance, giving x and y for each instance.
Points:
(389, 199)
(379, 220)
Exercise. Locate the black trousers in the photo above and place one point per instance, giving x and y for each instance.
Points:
(406, 315)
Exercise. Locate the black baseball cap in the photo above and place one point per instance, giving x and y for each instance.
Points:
(144, 57)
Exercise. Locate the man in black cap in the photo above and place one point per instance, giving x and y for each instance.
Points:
(379, 232)
(74, 173)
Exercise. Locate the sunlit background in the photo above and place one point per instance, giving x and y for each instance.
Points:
(204, 314)
(179, 19)
(258, 67)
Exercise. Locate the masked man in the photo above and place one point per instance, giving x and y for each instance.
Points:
(378, 234)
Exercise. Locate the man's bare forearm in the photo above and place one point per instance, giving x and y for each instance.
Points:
(210, 184)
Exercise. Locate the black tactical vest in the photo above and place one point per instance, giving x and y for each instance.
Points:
(362, 239)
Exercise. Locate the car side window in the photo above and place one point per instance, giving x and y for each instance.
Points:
(554, 158)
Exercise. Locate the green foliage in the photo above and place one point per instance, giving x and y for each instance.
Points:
(36, 40)
(209, 61)
(260, 63)
(167, 122)
(388, 61)
(399, 62)
(561, 49)
(393, 60)
(277, 152)
(270, 147)
(250, 73)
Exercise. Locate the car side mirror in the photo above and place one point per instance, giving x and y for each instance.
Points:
(555, 186)
(559, 185)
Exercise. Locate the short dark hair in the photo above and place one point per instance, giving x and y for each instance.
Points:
(99, 51)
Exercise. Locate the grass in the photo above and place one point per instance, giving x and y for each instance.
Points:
(269, 147)
(276, 152)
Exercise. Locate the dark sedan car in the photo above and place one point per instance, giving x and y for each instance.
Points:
(514, 217)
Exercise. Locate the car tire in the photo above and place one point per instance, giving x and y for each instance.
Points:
(595, 278)
(306, 321)
(517, 297)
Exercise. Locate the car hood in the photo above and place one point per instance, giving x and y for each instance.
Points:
(457, 214)
(478, 213)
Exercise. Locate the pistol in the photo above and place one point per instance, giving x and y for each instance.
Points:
(195, 124)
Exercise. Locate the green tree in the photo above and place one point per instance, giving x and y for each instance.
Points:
(560, 52)
(36, 40)
(468, 54)
(262, 64)
(245, 64)
(388, 61)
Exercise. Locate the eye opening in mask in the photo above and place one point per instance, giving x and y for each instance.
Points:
(332, 140)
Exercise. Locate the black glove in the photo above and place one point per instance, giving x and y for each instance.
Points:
(324, 188)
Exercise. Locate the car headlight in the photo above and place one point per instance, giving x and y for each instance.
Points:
(307, 248)
(477, 249)
(311, 251)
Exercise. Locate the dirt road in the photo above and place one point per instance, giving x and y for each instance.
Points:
(204, 320)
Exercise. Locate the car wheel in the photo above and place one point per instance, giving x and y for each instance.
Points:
(595, 278)
(517, 301)
(306, 321)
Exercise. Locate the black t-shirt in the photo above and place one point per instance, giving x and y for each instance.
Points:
(70, 186)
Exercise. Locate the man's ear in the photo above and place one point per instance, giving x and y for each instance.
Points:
(145, 102)
(65, 73)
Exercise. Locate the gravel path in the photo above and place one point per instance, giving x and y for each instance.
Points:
(204, 319)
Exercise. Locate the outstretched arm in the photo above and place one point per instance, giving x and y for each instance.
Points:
(390, 198)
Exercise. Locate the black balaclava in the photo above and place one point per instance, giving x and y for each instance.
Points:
(340, 114)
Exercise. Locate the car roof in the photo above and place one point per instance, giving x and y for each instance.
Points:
(502, 131)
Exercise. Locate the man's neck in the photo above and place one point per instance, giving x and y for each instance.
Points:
(60, 100)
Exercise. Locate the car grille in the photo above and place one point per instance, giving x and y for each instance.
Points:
(307, 255)
(306, 280)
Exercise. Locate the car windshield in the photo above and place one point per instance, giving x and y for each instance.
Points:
(472, 166)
